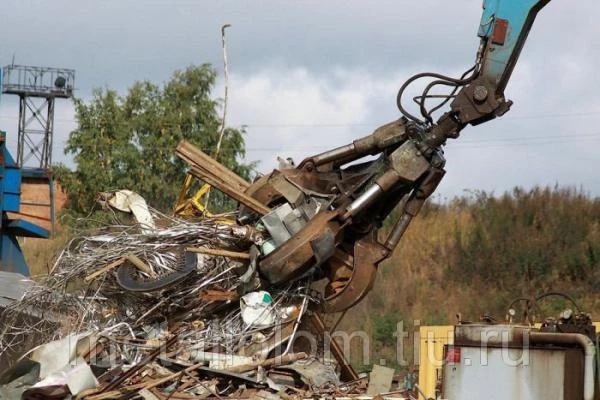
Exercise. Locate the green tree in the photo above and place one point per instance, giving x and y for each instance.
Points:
(128, 142)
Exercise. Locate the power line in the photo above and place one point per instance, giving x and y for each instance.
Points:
(474, 144)
(361, 124)
(345, 125)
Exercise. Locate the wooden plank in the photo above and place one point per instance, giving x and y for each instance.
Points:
(243, 198)
(218, 176)
(207, 163)
(139, 264)
(217, 252)
(268, 363)
(219, 295)
(105, 269)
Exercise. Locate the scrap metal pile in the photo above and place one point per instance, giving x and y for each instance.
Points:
(170, 312)
(194, 306)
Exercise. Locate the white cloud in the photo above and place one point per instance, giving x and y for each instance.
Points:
(295, 113)
(310, 63)
(290, 112)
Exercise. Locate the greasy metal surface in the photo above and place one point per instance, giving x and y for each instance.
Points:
(296, 256)
(475, 111)
(408, 161)
(398, 231)
(384, 137)
(501, 374)
(367, 198)
(413, 206)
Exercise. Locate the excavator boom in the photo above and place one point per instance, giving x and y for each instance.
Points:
(323, 216)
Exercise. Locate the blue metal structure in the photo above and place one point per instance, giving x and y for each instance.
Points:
(504, 28)
(11, 256)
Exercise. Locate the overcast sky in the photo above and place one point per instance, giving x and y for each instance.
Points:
(310, 75)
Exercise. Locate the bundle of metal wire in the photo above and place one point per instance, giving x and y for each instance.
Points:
(83, 287)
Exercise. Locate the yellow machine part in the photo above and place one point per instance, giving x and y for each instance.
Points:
(431, 355)
(195, 206)
(191, 206)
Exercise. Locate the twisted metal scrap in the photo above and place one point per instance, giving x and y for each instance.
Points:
(130, 325)
(64, 295)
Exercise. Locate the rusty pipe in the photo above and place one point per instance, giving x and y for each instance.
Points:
(347, 153)
(571, 339)
(398, 231)
(413, 206)
(576, 339)
(363, 201)
(336, 154)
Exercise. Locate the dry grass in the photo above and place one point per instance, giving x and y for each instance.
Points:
(41, 253)
(474, 256)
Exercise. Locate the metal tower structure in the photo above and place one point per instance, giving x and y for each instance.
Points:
(37, 88)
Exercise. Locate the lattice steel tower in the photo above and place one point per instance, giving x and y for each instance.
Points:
(37, 88)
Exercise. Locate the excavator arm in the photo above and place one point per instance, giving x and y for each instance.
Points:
(504, 27)
(503, 30)
(326, 213)
(324, 216)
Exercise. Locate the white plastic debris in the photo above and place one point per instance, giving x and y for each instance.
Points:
(131, 202)
(54, 356)
(219, 360)
(257, 309)
(77, 376)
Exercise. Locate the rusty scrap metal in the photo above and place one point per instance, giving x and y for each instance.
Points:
(128, 374)
(347, 372)
(136, 331)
